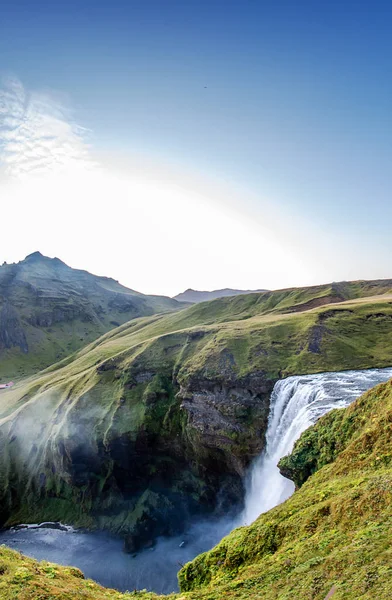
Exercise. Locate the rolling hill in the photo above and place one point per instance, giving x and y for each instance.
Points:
(195, 296)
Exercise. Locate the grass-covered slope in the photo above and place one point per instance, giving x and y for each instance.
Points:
(333, 536)
(48, 310)
(331, 539)
(195, 296)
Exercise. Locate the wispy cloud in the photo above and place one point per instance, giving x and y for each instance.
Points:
(37, 134)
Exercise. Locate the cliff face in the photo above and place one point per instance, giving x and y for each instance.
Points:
(331, 539)
(12, 334)
(132, 451)
(227, 420)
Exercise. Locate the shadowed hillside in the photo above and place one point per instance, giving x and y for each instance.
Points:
(48, 310)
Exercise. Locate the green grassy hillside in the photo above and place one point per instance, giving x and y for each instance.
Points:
(48, 310)
(331, 539)
(144, 425)
(333, 535)
(195, 296)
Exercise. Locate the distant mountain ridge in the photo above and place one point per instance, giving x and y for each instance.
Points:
(196, 296)
(48, 310)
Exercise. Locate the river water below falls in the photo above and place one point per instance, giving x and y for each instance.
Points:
(296, 403)
(101, 556)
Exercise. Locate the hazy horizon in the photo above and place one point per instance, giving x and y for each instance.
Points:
(198, 145)
(179, 292)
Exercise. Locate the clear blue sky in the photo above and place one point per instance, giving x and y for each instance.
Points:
(292, 99)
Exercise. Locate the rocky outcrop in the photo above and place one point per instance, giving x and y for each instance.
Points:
(11, 330)
(227, 418)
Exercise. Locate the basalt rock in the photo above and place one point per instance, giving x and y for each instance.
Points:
(226, 419)
(11, 330)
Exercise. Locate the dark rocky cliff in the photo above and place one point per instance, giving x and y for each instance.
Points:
(138, 453)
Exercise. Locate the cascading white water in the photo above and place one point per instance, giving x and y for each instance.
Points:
(296, 404)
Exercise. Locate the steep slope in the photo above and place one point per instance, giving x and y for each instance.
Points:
(48, 310)
(195, 296)
(333, 535)
(330, 540)
(142, 427)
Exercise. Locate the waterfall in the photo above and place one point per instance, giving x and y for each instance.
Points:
(296, 404)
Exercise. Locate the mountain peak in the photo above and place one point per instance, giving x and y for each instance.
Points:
(38, 257)
(34, 256)
(49, 310)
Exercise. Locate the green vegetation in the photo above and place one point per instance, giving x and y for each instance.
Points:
(145, 424)
(22, 578)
